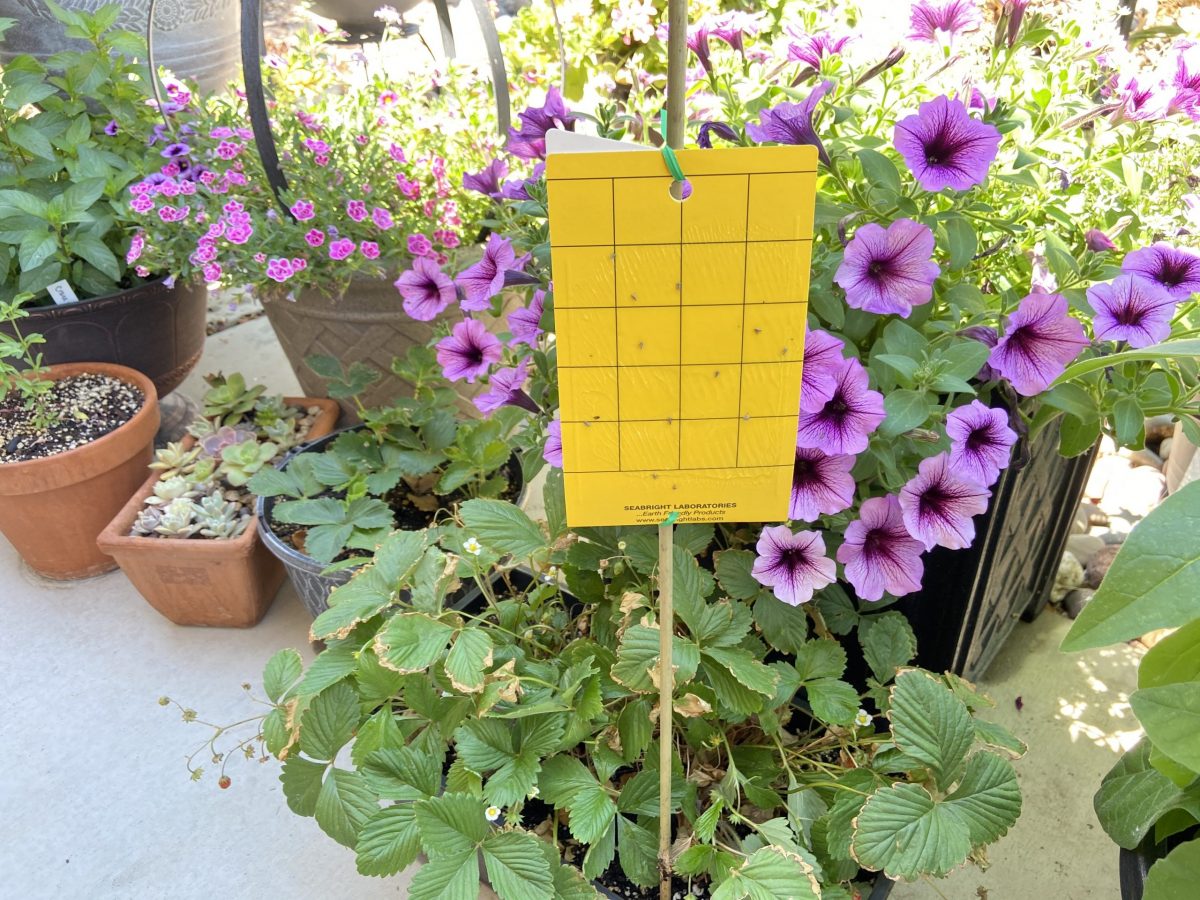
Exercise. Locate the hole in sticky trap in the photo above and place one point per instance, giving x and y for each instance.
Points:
(680, 190)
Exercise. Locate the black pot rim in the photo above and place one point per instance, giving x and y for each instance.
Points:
(34, 311)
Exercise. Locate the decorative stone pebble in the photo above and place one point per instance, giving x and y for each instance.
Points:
(1159, 427)
(1084, 546)
(1069, 577)
(1106, 470)
(1135, 492)
(1080, 524)
(1146, 457)
(1164, 449)
(1112, 538)
(1076, 600)
(1098, 565)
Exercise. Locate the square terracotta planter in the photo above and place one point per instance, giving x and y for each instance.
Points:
(222, 583)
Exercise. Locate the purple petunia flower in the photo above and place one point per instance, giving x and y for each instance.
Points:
(489, 180)
(942, 22)
(530, 141)
(822, 363)
(172, 151)
(1138, 103)
(697, 41)
(552, 452)
(483, 281)
(939, 502)
(980, 441)
(792, 565)
(1014, 10)
(468, 351)
(720, 129)
(518, 188)
(732, 28)
(1133, 309)
(821, 484)
(505, 388)
(112, 128)
(811, 49)
(889, 270)
(878, 552)
(1039, 342)
(426, 289)
(944, 147)
(525, 323)
(1174, 268)
(791, 123)
(844, 423)
(1097, 241)
(1187, 81)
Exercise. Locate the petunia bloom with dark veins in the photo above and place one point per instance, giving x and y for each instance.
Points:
(518, 188)
(1174, 268)
(980, 441)
(483, 281)
(942, 22)
(426, 289)
(791, 123)
(525, 323)
(1039, 342)
(878, 552)
(506, 388)
(1132, 309)
(938, 504)
(822, 363)
(720, 129)
(821, 485)
(810, 49)
(489, 180)
(468, 351)
(889, 270)
(792, 565)
(552, 452)
(944, 147)
(843, 425)
(529, 142)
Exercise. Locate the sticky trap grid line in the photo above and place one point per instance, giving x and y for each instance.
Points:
(637, 349)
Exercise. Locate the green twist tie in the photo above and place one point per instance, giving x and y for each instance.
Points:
(668, 151)
(670, 520)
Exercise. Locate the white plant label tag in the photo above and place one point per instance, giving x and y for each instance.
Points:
(61, 292)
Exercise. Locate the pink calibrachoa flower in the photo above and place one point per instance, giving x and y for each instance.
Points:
(482, 281)
(821, 484)
(506, 388)
(136, 244)
(211, 273)
(410, 188)
(878, 552)
(239, 233)
(944, 147)
(356, 209)
(388, 98)
(980, 441)
(1133, 308)
(382, 218)
(939, 502)
(1176, 269)
(142, 272)
(426, 289)
(525, 323)
(1041, 339)
(468, 351)
(844, 423)
(552, 452)
(280, 269)
(396, 152)
(792, 565)
(369, 249)
(321, 159)
(303, 210)
(314, 237)
(446, 238)
(168, 189)
(142, 203)
(317, 146)
(260, 257)
(341, 248)
(228, 149)
(419, 245)
(889, 270)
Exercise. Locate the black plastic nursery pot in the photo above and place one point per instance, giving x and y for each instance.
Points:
(152, 328)
(971, 599)
(1133, 866)
(308, 575)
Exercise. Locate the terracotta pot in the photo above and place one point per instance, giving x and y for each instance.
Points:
(52, 509)
(203, 582)
(155, 329)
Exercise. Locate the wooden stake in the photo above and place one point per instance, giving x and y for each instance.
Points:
(666, 691)
(677, 20)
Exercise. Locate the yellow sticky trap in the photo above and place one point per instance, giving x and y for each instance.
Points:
(680, 331)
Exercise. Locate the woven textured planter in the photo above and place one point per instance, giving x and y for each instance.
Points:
(366, 324)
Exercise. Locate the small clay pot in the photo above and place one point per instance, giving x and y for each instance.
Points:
(52, 509)
(222, 583)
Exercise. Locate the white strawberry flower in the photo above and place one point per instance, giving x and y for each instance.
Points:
(472, 546)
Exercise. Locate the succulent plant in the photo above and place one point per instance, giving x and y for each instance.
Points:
(229, 400)
(281, 432)
(219, 518)
(240, 461)
(147, 521)
(168, 490)
(270, 410)
(226, 436)
(201, 428)
(177, 519)
(173, 460)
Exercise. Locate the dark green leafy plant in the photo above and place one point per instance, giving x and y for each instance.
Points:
(1154, 790)
(19, 383)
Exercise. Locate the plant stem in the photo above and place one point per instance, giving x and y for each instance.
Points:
(666, 679)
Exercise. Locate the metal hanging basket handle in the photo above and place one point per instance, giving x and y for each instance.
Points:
(256, 101)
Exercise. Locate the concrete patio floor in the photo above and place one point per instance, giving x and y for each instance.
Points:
(95, 800)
